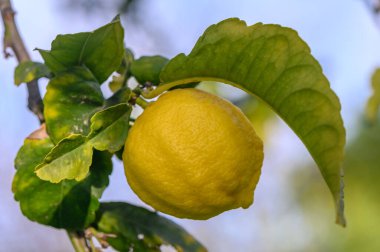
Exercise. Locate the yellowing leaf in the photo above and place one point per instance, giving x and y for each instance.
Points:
(71, 157)
(28, 71)
(71, 100)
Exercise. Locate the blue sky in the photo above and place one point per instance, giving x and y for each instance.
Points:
(342, 35)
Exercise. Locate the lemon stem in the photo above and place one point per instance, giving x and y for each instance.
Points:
(142, 103)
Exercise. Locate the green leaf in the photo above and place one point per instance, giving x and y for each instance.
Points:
(28, 71)
(71, 157)
(68, 204)
(119, 154)
(274, 64)
(148, 68)
(373, 103)
(70, 101)
(142, 229)
(101, 51)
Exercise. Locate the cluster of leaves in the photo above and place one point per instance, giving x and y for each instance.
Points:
(60, 177)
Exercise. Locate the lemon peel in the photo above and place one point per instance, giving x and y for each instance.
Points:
(193, 155)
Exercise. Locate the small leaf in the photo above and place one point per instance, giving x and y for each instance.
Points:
(126, 63)
(70, 101)
(101, 51)
(119, 80)
(148, 68)
(68, 204)
(71, 157)
(142, 229)
(28, 71)
(274, 64)
(373, 103)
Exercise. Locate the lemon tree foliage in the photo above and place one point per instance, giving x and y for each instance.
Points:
(274, 64)
(101, 51)
(71, 99)
(61, 176)
(68, 204)
(142, 230)
(71, 157)
(60, 179)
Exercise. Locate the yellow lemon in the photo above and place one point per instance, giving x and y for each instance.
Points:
(193, 155)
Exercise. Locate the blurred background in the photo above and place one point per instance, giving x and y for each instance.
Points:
(293, 209)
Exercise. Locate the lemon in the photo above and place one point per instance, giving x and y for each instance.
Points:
(193, 155)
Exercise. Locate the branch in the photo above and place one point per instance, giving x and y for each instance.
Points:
(374, 9)
(13, 41)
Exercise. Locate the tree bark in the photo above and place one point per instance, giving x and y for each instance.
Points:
(13, 41)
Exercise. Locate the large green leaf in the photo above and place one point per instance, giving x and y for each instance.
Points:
(68, 204)
(71, 157)
(101, 51)
(373, 104)
(28, 71)
(274, 64)
(140, 229)
(70, 101)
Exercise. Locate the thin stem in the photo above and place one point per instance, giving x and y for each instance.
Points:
(158, 90)
(12, 40)
(99, 236)
(149, 94)
(142, 103)
(78, 241)
(92, 245)
(374, 8)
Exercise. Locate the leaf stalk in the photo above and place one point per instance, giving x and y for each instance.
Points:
(78, 241)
